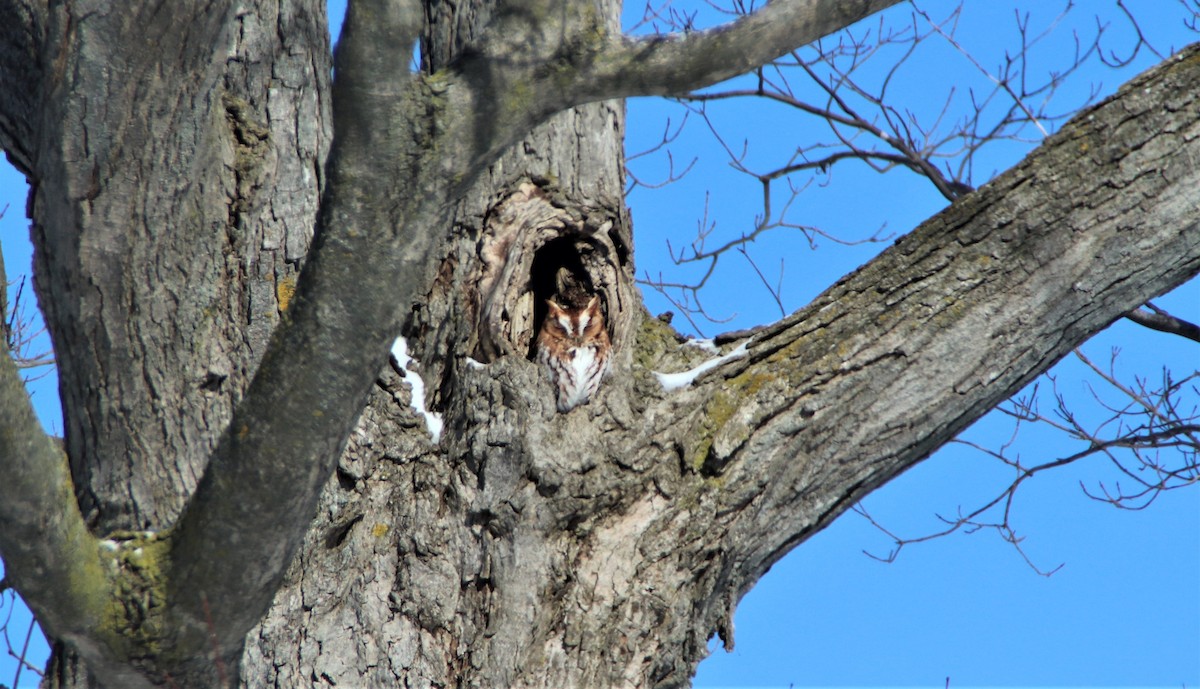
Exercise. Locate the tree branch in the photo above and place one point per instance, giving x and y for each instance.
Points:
(22, 23)
(50, 555)
(674, 65)
(1157, 319)
(249, 513)
(1142, 421)
(950, 321)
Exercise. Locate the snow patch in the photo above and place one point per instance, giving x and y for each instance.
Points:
(674, 381)
(706, 345)
(433, 420)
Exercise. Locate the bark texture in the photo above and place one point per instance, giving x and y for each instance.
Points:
(173, 201)
(176, 158)
(604, 546)
(210, 392)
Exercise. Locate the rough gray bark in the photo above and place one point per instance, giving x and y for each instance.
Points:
(632, 526)
(173, 203)
(173, 200)
(169, 216)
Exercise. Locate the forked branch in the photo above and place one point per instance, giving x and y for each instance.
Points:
(933, 333)
(857, 87)
(1150, 439)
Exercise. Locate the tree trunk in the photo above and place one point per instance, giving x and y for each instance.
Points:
(431, 565)
(523, 547)
(174, 200)
(604, 546)
(176, 182)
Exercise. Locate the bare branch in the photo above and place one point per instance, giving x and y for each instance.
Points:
(675, 65)
(21, 333)
(7, 595)
(668, 136)
(772, 289)
(965, 523)
(52, 559)
(1002, 84)
(782, 420)
(1156, 319)
(839, 81)
(1151, 419)
(1112, 60)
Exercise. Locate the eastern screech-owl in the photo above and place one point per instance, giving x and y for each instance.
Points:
(574, 346)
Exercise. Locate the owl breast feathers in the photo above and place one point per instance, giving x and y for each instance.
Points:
(574, 347)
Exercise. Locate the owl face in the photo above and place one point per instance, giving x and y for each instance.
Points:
(574, 347)
(575, 326)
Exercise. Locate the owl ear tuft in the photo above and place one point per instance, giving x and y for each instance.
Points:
(554, 307)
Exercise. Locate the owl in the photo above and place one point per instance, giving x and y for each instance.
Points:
(574, 347)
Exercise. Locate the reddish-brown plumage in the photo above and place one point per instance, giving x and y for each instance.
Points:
(574, 347)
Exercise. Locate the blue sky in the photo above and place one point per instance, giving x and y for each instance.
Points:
(1124, 609)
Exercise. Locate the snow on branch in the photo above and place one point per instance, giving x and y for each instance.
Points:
(675, 381)
(433, 420)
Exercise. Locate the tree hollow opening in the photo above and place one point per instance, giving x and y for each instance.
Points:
(560, 272)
